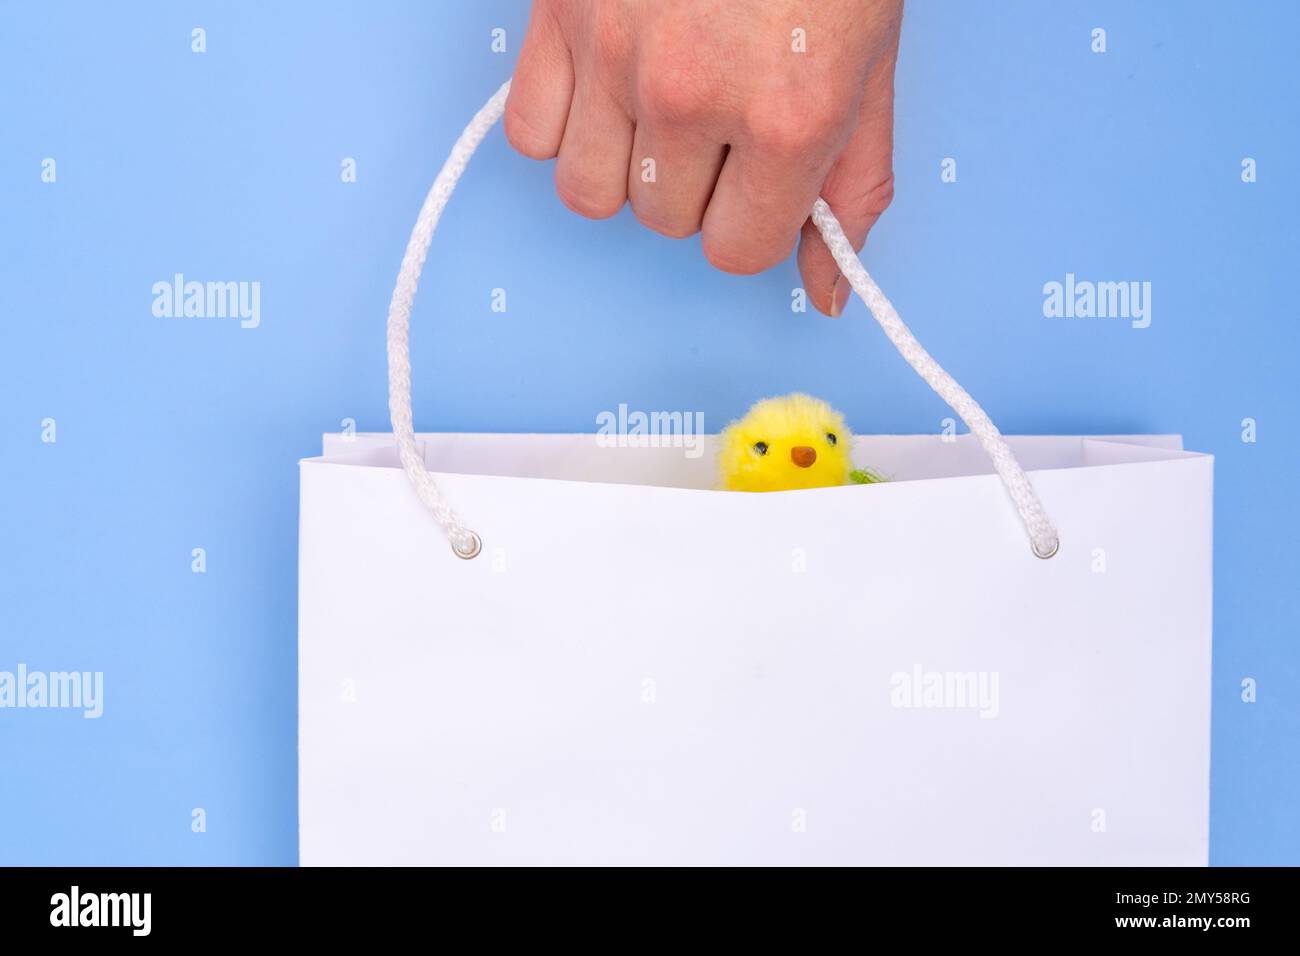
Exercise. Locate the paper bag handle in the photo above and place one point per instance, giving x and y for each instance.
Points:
(466, 544)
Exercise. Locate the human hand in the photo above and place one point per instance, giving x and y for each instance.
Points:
(709, 117)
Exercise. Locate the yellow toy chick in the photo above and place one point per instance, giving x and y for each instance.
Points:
(794, 441)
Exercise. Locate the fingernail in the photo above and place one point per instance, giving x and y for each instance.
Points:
(840, 296)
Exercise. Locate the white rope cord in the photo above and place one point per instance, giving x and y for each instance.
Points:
(466, 543)
(1042, 533)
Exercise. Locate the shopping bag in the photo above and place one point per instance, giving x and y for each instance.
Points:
(999, 656)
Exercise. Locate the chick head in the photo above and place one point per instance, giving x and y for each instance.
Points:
(794, 441)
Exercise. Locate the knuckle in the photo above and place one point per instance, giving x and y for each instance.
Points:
(673, 228)
(735, 259)
(587, 199)
(525, 138)
(868, 199)
(880, 196)
(675, 92)
(790, 125)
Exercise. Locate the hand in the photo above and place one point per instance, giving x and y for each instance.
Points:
(706, 115)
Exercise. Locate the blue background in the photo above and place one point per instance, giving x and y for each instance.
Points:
(176, 434)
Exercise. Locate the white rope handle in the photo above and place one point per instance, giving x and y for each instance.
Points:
(1042, 533)
(465, 542)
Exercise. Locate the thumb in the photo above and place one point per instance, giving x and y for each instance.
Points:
(858, 189)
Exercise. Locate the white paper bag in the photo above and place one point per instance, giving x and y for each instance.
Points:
(635, 668)
(651, 674)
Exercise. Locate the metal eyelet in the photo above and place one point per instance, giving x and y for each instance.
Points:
(472, 551)
(1056, 546)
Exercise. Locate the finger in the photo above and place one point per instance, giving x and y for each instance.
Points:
(591, 172)
(541, 90)
(765, 191)
(670, 179)
(858, 189)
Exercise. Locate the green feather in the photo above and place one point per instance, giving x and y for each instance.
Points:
(862, 476)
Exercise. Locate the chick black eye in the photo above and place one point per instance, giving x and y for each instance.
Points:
(760, 447)
(830, 438)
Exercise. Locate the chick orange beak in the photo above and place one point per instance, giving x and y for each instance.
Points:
(803, 456)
